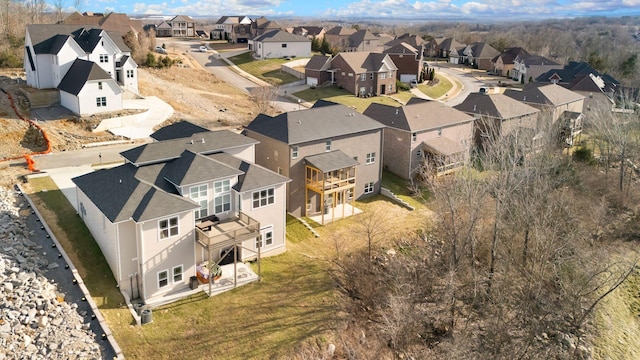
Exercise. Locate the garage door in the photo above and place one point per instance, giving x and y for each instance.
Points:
(405, 78)
(312, 81)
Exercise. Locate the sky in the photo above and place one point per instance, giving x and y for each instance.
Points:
(488, 10)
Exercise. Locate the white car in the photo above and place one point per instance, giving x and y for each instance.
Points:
(413, 83)
(202, 49)
(160, 50)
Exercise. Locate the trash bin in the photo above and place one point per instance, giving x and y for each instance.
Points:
(193, 282)
(146, 316)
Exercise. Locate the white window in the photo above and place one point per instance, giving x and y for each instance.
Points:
(419, 153)
(99, 85)
(350, 74)
(390, 86)
(371, 158)
(168, 227)
(104, 58)
(363, 77)
(177, 273)
(368, 188)
(263, 198)
(414, 136)
(129, 73)
(294, 152)
(101, 101)
(222, 197)
(265, 238)
(279, 170)
(199, 194)
(163, 279)
(327, 145)
(383, 75)
(284, 45)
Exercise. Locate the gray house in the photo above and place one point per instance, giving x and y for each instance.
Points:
(332, 154)
(177, 204)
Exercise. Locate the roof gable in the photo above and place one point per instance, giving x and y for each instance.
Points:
(80, 72)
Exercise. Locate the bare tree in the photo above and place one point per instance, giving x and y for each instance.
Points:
(263, 96)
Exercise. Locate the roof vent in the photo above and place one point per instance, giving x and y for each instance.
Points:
(299, 122)
(524, 98)
(474, 108)
(397, 111)
(191, 141)
(203, 140)
(120, 181)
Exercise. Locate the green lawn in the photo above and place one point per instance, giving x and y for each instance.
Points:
(398, 186)
(341, 96)
(256, 321)
(437, 90)
(77, 241)
(267, 69)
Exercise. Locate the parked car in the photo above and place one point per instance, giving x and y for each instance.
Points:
(160, 50)
(202, 49)
(413, 83)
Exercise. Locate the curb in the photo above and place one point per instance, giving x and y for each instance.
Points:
(103, 324)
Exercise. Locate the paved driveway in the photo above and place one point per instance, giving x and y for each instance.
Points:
(138, 126)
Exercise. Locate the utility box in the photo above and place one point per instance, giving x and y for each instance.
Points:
(193, 282)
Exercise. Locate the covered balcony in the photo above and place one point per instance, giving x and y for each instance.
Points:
(330, 184)
(571, 123)
(444, 155)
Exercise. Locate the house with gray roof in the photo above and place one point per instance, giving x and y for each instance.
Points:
(423, 136)
(408, 60)
(478, 55)
(502, 64)
(178, 205)
(316, 71)
(558, 105)
(332, 154)
(177, 26)
(498, 115)
(280, 44)
(51, 51)
(364, 73)
(527, 67)
(225, 29)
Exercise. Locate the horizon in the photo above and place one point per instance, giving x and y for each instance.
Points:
(380, 10)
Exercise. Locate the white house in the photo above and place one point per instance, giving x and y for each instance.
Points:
(88, 89)
(51, 51)
(179, 202)
(279, 43)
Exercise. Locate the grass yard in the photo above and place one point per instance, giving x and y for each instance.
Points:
(437, 90)
(341, 96)
(267, 69)
(398, 186)
(77, 241)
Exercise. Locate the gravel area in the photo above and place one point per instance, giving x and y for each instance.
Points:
(43, 313)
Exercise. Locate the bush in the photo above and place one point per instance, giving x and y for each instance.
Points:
(583, 154)
(401, 86)
(8, 59)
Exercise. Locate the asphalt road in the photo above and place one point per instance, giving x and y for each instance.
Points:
(87, 156)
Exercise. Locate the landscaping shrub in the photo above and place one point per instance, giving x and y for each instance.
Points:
(583, 154)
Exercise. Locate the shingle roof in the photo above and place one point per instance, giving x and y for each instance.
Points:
(44, 37)
(340, 30)
(182, 18)
(214, 141)
(313, 124)
(280, 36)
(177, 130)
(253, 176)
(510, 54)
(549, 94)
(417, 116)
(529, 60)
(444, 146)
(495, 105)
(318, 62)
(360, 36)
(120, 195)
(413, 40)
(79, 73)
(402, 48)
(364, 61)
(330, 161)
(191, 168)
(482, 50)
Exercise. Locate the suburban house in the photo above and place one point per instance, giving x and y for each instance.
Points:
(278, 44)
(498, 115)
(413, 40)
(431, 48)
(364, 73)
(178, 26)
(178, 204)
(408, 60)
(503, 63)
(599, 89)
(89, 67)
(556, 104)
(312, 32)
(225, 29)
(362, 40)
(316, 71)
(180, 129)
(423, 132)
(331, 153)
(112, 22)
(338, 37)
(527, 67)
(478, 55)
(263, 25)
(448, 49)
